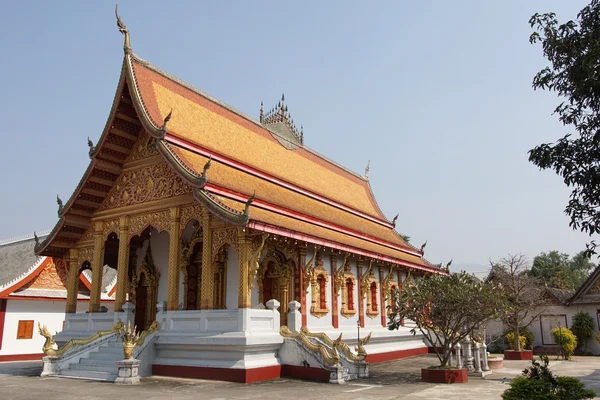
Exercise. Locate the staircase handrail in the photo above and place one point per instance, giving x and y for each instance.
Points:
(330, 355)
(149, 335)
(338, 344)
(48, 347)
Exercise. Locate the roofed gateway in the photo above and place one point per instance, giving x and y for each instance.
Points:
(206, 214)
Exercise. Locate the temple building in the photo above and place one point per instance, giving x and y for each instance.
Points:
(204, 215)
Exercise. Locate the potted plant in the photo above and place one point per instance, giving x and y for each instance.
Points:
(445, 309)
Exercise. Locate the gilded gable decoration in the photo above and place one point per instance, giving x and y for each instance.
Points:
(111, 226)
(86, 254)
(155, 182)
(188, 213)
(221, 237)
(347, 282)
(145, 147)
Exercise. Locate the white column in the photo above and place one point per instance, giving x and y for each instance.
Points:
(486, 367)
(459, 363)
(477, 357)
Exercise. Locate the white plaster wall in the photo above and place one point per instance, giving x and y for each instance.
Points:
(496, 327)
(349, 322)
(313, 322)
(49, 313)
(233, 279)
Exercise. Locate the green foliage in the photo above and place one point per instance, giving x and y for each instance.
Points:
(446, 308)
(583, 328)
(510, 336)
(538, 383)
(574, 55)
(566, 340)
(557, 270)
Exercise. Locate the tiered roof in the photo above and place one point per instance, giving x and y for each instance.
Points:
(261, 173)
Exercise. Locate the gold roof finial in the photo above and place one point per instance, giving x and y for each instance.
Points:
(123, 30)
(367, 169)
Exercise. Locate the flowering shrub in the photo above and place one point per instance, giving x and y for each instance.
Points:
(510, 336)
(566, 340)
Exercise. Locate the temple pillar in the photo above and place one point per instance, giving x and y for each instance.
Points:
(97, 266)
(72, 281)
(122, 263)
(244, 244)
(173, 281)
(382, 292)
(334, 295)
(361, 294)
(206, 291)
(302, 264)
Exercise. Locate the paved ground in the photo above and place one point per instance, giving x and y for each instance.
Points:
(392, 380)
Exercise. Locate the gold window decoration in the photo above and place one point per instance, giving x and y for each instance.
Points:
(372, 310)
(319, 280)
(349, 288)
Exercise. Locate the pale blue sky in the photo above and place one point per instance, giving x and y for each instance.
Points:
(436, 94)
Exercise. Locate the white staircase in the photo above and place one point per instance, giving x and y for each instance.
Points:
(100, 364)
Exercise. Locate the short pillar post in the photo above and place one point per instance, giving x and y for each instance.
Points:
(459, 363)
(129, 371)
(468, 354)
(484, 356)
(336, 375)
(477, 350)
(294, 319)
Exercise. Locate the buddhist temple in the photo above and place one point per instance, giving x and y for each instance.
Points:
(227, 237)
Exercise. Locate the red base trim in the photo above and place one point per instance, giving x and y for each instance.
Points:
(219, 374)
(21, 357)
(394, 355)
(444, 375)
(311, 373)
(518, 355)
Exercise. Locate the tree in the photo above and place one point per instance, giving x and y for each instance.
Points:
(557, 270)
(553, 269)
(574, 55)
(583, 326)
(524, 292)
(446, 308)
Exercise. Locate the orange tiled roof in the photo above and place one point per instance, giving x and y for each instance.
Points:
(204, 122)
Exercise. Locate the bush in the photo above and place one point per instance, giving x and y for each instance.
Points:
(510, 337)
(538, 383)
(523, 331)
(566, 340)
(583, 327)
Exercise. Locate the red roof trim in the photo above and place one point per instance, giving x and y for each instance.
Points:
(303, 217)
(259, 226)
(270, 178)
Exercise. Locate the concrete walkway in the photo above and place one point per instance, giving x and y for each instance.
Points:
(392, 380)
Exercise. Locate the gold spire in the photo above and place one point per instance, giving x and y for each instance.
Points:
(123, 30)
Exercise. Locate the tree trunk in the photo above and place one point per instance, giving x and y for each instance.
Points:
(517, 342)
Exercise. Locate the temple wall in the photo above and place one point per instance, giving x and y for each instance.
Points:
(46, 312)
(233, 279)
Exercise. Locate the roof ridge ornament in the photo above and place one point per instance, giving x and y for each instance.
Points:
(367, 170)
(422, 250)
(163, 129)
(60, 205)
(280, 113)
(248, 202)
(92, 148)
(123, 29)
(395, 219)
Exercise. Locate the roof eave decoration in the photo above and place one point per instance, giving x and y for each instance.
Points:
(123, 29)
(222, 211)
(189, 175)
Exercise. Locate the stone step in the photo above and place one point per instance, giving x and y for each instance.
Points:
(99, 368)
(111, 350)
(93, 375)
(88, 361)
(105, 356)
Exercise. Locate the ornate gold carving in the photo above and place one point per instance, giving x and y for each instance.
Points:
(254, 266)
(330, 355)
(319, 307)
(308, 270)
(129, 338)
(206, 291)
(145, 147)
(122, 263)
(109, 227)
(188, 213)
(339, 274)
(48, 347)
(339, 345)
(159, 220)
(72, 281)
(155, 182)
(86, 254)
(221, 237)
(97, 264)
(346, 311)
(173, 278)
(148, 276)
(244, 244)
(88, 235)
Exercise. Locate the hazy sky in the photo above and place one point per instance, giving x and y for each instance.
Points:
(436, 94)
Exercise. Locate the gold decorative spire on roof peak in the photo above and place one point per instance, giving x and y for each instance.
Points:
(123, 29)
(281, 114)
